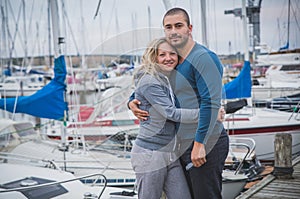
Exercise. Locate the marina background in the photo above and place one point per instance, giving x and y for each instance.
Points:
(93, 130)
(85, 33)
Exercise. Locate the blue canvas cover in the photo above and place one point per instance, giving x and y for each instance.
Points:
(49, 102)
(240, 87)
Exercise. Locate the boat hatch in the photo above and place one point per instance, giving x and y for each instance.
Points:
(39, 192)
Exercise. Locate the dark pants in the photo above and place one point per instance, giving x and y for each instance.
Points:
(206, 181)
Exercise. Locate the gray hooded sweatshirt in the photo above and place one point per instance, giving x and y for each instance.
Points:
(158, 132)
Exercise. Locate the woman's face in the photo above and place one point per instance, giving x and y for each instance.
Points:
(167, 57)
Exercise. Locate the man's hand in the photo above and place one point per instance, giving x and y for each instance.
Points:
(221, 114)
(134, 107)
(198, 154)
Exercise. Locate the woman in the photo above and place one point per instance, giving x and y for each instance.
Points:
(153, 155)
(154, 162)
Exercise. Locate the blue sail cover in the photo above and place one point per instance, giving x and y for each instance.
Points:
(49, 102)
(240, 87)
(285, 47)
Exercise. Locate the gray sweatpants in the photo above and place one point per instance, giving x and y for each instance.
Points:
(156, 172)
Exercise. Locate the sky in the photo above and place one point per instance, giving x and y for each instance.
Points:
(126, 26)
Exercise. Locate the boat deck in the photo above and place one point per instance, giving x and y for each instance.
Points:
(271, 187)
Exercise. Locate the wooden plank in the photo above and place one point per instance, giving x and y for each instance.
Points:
(256, 187)
(279, 188)
(276, 194)
(286, 184)
(281, 191)
(296, 161)
(292, 181)
(271, 196)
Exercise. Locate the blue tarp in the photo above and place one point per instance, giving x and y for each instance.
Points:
(240, 87)
(285, 47)
(49, 102)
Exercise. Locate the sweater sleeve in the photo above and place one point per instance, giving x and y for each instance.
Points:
(160, 100)
(208, 76)
(131, 97)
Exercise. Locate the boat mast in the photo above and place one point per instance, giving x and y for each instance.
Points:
(149, 23)
(12, 38)
(25, 35)
(83, 38)
(245, 32)
(167, 4)
(3, 46)
(56, 30)
(58, 51)
(203, 23)
(49, 34)
(288, 33)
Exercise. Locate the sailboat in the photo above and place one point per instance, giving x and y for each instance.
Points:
(31, 180)
(12, 86)
(260, 124)
(282, 76)
(37, 182)
(112, 158)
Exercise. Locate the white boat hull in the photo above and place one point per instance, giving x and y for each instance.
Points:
(232, 184)
(262, 125)
(13, 175)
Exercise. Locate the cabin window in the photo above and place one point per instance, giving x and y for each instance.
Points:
(290, 67)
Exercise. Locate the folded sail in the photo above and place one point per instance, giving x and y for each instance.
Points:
(49, 102)
(240, 87)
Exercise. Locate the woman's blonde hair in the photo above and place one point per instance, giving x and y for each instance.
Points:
(149, 59)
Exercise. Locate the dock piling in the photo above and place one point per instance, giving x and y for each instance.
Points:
(283, 168)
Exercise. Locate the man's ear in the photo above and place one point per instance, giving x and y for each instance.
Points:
(190, 28)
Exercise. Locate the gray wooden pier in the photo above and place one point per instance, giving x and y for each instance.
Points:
(272, 187)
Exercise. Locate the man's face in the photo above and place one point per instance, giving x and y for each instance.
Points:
(176, 30)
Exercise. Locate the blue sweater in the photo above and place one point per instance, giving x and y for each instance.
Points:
(197, 83)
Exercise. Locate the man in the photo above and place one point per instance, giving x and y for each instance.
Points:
(197, 83)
